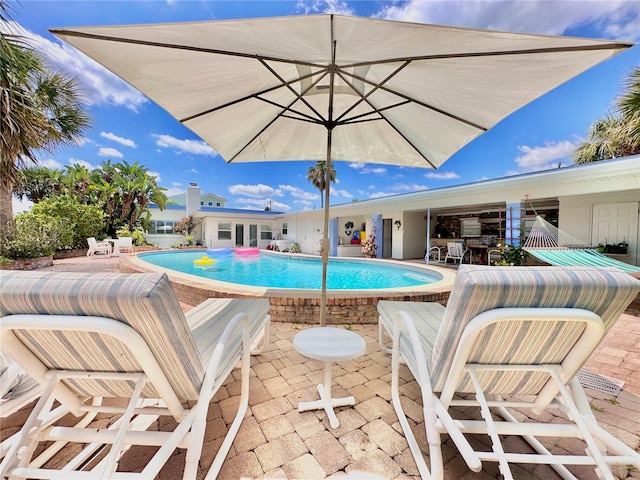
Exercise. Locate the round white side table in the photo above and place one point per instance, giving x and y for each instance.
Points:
(328, 344)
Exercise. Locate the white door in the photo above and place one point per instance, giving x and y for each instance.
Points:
(615, 222)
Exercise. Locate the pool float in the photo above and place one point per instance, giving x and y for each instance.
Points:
(218, 252)
(247, 251)
(204, 261)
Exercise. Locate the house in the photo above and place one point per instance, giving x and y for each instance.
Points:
(216, 225)
(596, 203)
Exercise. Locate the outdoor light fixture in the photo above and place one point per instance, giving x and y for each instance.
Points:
(398, 224)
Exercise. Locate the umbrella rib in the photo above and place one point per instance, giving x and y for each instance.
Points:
(247, 97)
(376, 87)
(308, 118)
(132, 41)
(419, 102)
(497, 53)
(299, 96)
(281, 114)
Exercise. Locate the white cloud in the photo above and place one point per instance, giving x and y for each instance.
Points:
(297, 192)
(99, 86)
(196, 147)
(380, 195)
(339, 7)
(262, 203)
(192, 170)
(257, 191)
(545, 157)
(442, 175)
(109, 152)
(84, 163)
(50, 163)
(408, 187)
(170, 192)
(336, 192)
(364, 169)
(617, 19)
(155, 174)
(20, 206)
(122, 141)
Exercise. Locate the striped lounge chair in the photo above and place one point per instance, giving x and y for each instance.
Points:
(516, 332)
(88, 336)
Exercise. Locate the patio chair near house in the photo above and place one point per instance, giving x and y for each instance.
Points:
(509, 337)
(125, 244)
(88, 336)
(98, 248)
(456, 251)
(494, 255)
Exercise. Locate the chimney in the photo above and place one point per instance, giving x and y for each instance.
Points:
(193, 198)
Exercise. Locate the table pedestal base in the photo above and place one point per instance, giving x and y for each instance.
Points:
(327, 403)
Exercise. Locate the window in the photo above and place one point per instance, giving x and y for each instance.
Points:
(202, 204)
(162, 227)
(284, 228)
(265, 232)
(224, 231)
(217, 204)
(209, 204)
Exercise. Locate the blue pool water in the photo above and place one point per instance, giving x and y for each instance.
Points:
(285, 271)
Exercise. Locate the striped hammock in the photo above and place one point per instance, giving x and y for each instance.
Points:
(553, 246)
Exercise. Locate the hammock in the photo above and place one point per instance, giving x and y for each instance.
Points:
(553, 246)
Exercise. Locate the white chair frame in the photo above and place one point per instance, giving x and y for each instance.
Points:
(98, 248)
(433, 252)
(562, 391)
(188, 434)
(457, 251)
(493, 254)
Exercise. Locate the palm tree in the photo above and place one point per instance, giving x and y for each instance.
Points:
(39, 110)
(317, 175)
(629, 108)
(38, 183)
(615, 136)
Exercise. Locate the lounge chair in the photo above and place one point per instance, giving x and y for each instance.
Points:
(124, 336)
(516, 332)
(17, 391)
(98, 248)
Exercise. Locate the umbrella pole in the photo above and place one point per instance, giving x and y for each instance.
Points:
(324, 249)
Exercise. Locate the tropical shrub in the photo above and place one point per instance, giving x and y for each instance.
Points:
(33, 235)
(84, 220)
(513, 256)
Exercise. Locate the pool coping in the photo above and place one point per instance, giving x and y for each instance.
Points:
(302, 305)
(444, 284)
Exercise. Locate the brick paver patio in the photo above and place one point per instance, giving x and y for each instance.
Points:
(277, 442)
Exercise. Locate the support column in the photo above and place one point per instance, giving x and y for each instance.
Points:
(333, 237)
(514, 219)
(376, 222)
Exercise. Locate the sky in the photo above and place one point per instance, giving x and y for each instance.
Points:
(127, 126)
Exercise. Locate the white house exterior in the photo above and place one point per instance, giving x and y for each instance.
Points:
(595, 203)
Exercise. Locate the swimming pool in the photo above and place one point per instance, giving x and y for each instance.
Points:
(277, 270)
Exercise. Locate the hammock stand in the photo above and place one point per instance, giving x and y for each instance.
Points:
(553, 246)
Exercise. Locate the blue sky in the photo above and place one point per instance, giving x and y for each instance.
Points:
(127, 126)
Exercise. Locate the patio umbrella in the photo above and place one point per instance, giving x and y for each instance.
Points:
(332, 87)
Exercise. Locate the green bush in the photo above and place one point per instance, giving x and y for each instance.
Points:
(123, 232)
(513, 256)
(85, 220)
(32, 236)
(139, 239)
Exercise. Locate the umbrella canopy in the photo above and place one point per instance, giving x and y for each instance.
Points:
(331, 87)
